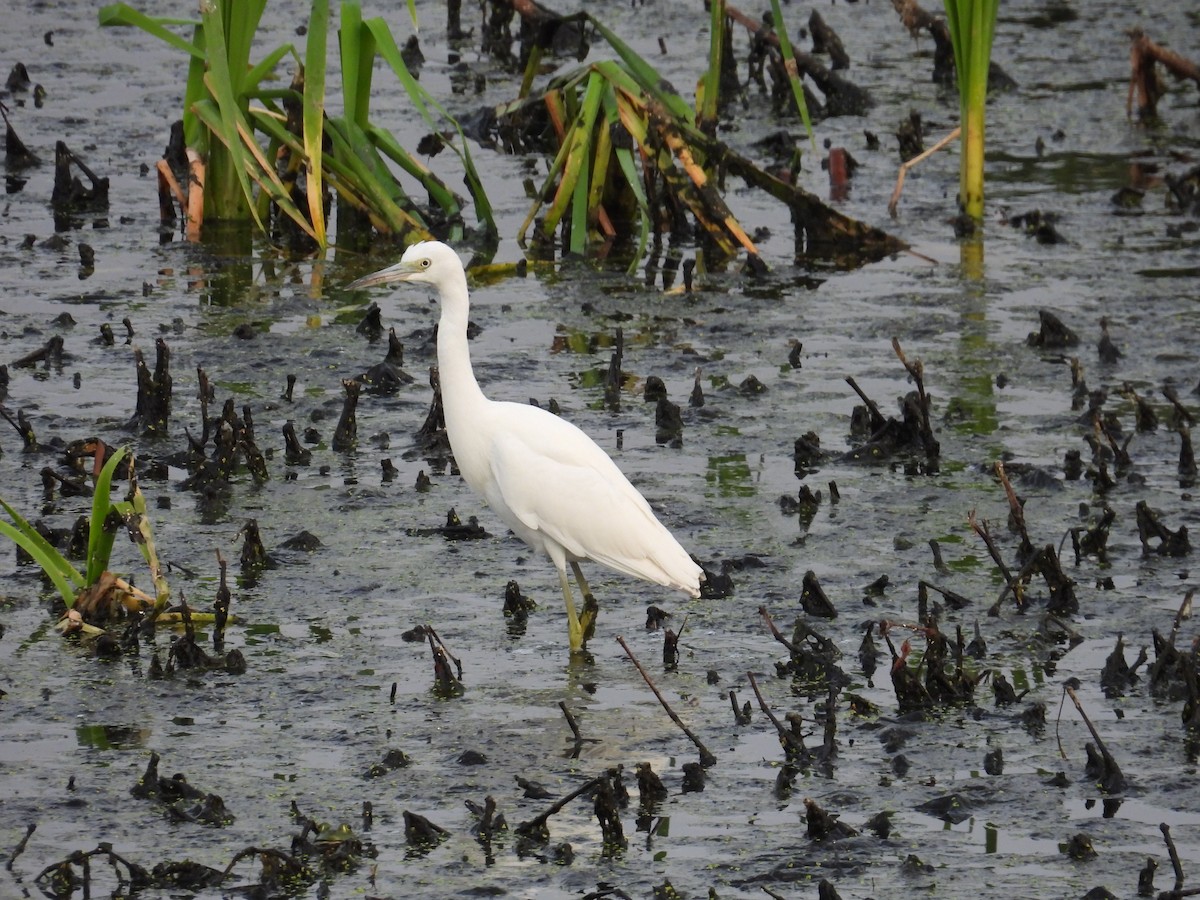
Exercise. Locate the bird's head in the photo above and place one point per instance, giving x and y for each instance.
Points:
(425, 262)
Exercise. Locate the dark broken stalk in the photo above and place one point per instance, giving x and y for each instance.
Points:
(706, 758)
(221, 606)
(20, 848)
(290, 863)
(1121, 458)
(1016, 511)
(441, 654)
(294, 453)
(793, 747)
(741, 716)
(916, 369)
(23, 428)
(1182, 416)
(671, 640)
(204, 391)
(1062, 591)
(69, 192)
(1172, 852)
(1110, 761)
(1185, 609)
(612, 379)
(777, 634)
(1187, 454)
(346, 433)
(573, 725)
(878, 419)
(50, 351)
(985, 535)
(953, 599)
(535, 828)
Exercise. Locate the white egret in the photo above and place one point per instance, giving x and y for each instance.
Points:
(549, 482)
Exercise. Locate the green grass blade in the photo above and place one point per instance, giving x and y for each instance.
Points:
(266, 66)
(624, 157)
(118, 14)
(706, 106)
(314, 113)
(785, 47)
(580, 213)
(359, 176)
(45, 556)
(255, 165)
(357, 47)
(573, 188)
(220, 81)
(424, 103)
(97, 558)
(240, 19)
(33, 536)
(439, 194)
(645, 74)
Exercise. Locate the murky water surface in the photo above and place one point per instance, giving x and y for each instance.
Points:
(322, 631)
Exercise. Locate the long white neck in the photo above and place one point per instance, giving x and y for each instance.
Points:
(461, 397)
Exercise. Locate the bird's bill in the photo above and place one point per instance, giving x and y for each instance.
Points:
(401, 271)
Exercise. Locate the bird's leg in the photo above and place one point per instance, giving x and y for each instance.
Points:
(574, 630)
(591, 609)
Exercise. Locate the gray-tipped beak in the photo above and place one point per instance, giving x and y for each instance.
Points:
(401, 271)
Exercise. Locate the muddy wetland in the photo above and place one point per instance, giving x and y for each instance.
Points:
(945, 489)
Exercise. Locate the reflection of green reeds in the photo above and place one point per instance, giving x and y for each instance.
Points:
(972, 24)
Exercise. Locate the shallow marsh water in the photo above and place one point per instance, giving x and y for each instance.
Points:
(322, 631)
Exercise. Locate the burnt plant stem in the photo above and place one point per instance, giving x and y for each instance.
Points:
(981, 529)
(1174, 854)
(791, 745)
(538, 822)
(777, 634)
(20, 848)
(574, 725)
(1109, 760)
(706, 758)
(1183, 613)
(878, 419)
(916, 369)
(1016, 510)
(291, 863)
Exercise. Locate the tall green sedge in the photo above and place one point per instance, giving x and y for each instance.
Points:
(972, 24)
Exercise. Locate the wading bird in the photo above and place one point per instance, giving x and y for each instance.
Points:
(550, 483)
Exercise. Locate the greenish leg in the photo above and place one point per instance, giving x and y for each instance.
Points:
(574, 630)
(591, 609)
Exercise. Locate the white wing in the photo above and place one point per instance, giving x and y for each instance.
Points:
(555, 480)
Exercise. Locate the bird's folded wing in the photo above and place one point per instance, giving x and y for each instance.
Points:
(584, 503)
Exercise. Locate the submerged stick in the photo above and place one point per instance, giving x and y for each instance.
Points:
(538, 822)
(1109, 760)
(775, 632)
(20, 848)
(792, 747)
(1174, 854)
(905, 167)
(706, 758)
(1015, 508)
(985, 535)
